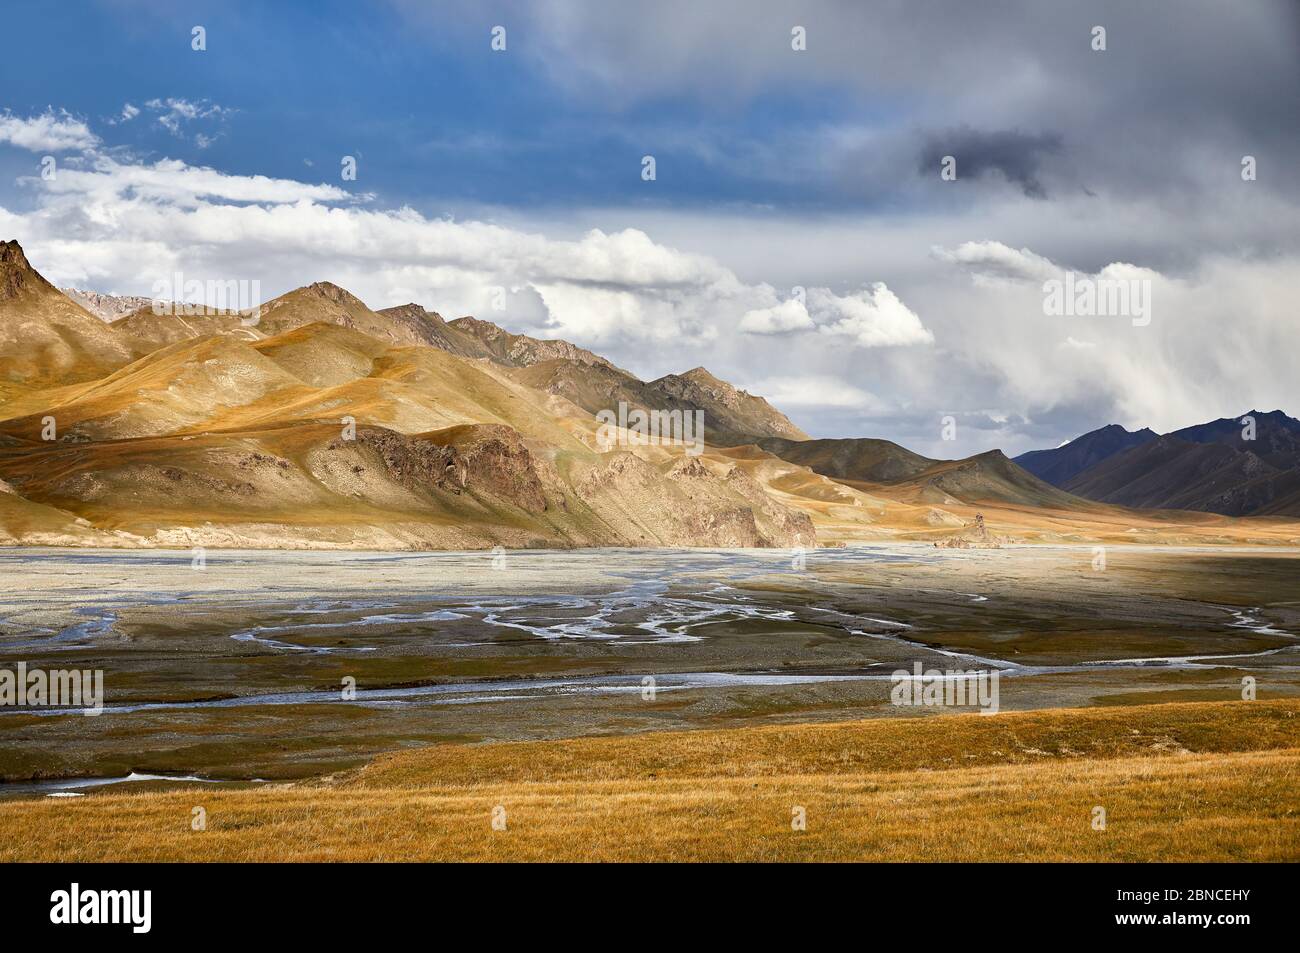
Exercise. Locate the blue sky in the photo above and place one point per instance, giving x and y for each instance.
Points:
(798, 239)
(435, 117)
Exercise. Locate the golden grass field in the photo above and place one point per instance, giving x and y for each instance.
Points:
(1179, 782)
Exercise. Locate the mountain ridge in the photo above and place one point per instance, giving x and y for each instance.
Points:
(314, 420)
(1234, 466)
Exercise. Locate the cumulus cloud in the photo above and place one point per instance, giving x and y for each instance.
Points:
(130, 223)
(872, 317)
(655, 298)
(790, 315)
(48, 132)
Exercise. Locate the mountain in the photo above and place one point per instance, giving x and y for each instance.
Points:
(325, 423)
(1223, 466)
(436, 332)
(860, 458)
(989, 477)
(520, 350)
(1061, 464)
(1276, 437)
(726, 407)
(107, 307)
(1172, 473)
(326, 302)
(45, 337)
(316, 421)
(984, 478)
(731, 417)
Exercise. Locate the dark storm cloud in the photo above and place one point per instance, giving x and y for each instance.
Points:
(1182, 90)
(1017, 156)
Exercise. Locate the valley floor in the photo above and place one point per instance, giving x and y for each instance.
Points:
(1193, 782)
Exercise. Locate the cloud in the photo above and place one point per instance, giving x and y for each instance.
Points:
(994, 260)
(873, 317)
(173, 181)
(814, 392)
(790, 315)
(1018, 157)
(991, 262)
(49, 132)
(132, 223)
(1224, 268)
(1011, 89)
(175, 114)
(128, 113)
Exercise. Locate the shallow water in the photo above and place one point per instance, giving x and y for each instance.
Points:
(265, 631)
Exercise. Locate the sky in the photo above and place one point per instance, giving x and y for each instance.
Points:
(856, 208)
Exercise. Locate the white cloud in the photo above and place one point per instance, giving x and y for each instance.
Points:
(133, 223)
(175, 114)
(994, 260)
(873, 317)
(48, 132)
(1221, 340)
(174, 181)
(789, 315)
(815, 391)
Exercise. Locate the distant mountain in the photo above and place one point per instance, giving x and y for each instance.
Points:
(984, 478)
(1216, 467)
(1062, 464)
(1276, 437)
(857, 458)
(107, 307)
(989, 477)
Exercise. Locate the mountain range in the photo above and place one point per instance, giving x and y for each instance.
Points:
(316, 421)
(1237, 466)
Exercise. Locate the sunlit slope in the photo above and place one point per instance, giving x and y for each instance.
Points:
(46, 338)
